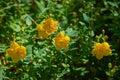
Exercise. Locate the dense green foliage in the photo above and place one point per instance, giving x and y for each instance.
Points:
(81, 20)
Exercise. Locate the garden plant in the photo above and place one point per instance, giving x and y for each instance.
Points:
(59, 39)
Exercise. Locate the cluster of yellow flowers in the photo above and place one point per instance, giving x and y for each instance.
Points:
(50, 26)
(47, 28)
(61, 41)
(16, 52)
(101, 49)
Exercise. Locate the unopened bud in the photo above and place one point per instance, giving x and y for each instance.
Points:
(110, 65)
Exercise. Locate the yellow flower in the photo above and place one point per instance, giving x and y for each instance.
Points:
(43, 35)
(61, 41)
(101, 49)
(50, 25)
(47, 28)
(22, 52)
(13, 49)
(16, 52)
(40, 27)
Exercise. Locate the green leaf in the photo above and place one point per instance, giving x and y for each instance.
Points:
(28, 21)
(103, 9)
(2, 76)
(40, 6)
(29, 49)
(65, 65)
(108, 73)
(82, 23)
(71, 32)
(65, 71)
(15, 27)
(86, 17)
(113, 4)
(91, 33)
(116, 13)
